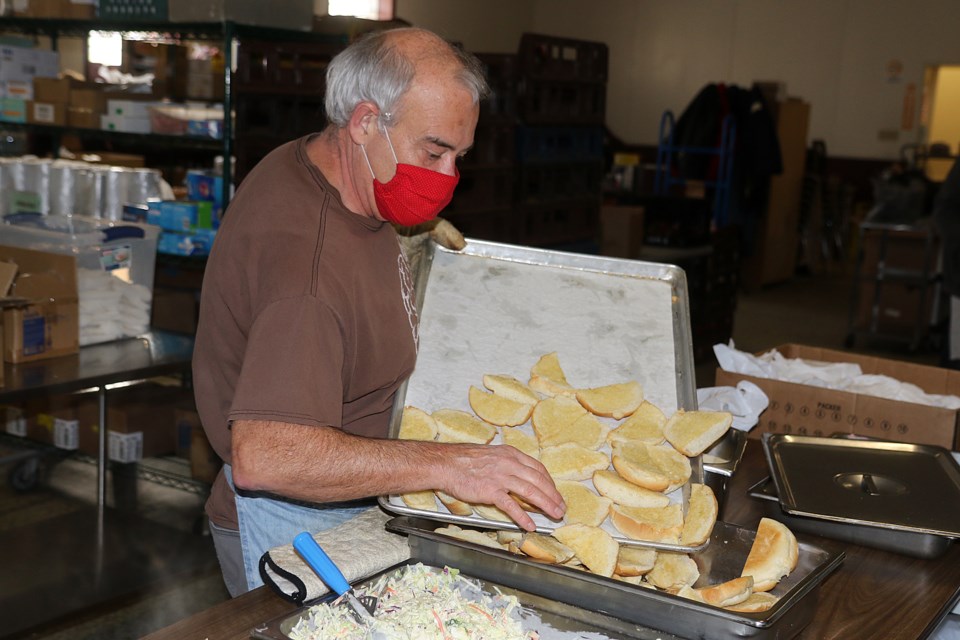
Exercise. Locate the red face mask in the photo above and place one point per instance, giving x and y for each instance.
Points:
(414, 194)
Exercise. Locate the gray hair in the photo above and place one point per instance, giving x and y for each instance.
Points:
(373, 69)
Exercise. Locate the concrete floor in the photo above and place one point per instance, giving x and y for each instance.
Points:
(811, 310)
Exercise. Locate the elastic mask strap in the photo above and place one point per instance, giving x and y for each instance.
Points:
(369, 166)
(390, 142)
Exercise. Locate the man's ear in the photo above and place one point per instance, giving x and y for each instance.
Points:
(363, 122)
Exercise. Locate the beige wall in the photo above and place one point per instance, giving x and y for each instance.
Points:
(832, 53)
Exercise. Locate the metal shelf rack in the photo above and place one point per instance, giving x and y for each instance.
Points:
(228, 33)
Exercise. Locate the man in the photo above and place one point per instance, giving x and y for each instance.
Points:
(946, 216)
(307, 325)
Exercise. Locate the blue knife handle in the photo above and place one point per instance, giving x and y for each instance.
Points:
(320, 562)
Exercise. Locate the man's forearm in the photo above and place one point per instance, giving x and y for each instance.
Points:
(324, 464)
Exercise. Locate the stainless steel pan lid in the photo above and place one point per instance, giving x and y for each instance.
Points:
(893, 485)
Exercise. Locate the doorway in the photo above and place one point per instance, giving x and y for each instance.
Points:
(940, 118)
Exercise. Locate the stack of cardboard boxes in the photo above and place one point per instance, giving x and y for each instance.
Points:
(38, 297)
(19, 66)
(66, 9)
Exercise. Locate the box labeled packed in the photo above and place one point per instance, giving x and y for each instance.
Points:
(40, 304)
(805, 409)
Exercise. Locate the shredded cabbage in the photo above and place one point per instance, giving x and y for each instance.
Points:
(421, 603)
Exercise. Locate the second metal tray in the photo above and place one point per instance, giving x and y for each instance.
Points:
(919, 545)
(892, 485)
(722, 560)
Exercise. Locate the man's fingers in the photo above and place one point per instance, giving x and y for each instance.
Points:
(513, 509)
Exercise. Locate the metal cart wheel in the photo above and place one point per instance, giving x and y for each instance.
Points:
(26, 475)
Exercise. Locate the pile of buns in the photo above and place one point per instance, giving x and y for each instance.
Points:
(773, 555)
(613, 454)
(615, 458)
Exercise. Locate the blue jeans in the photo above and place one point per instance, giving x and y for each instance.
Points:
(268, 521)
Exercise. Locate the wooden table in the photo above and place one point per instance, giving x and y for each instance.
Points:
(874, 594)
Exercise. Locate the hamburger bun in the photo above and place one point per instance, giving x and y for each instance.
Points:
(673, 571)
(728, 593)
(583, 505)
(459, 426)
(635, 561)
(548, 378)
(757, 602)
(416, 424)
(572, 462)
(657, 468)
(644, 425)
(520, 440)
(554, 417)
(772, 556)
(693, 432)
(423, 500)
(455, 506)
(545, 548)
(470, 535)
(595, 548)
(657, 524)
(612, 401)
(625, 493)
(497, 409)
(510, 388)
(701, 516)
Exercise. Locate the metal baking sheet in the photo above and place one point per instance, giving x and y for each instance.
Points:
(883, 484)
(551, 619)
(496, 308)
(919, 545)
(722, 560)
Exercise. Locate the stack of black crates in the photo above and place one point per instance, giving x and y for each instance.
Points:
(535, 174)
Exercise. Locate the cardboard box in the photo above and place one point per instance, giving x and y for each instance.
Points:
(125, 124)
(53, 113)
(71, 9)
(85, 101)
(24, 64)
(16, 89)
(139, 422)
(51, 90)
(115, 159)
(13, 110)
(621, 231)
(806, 410)
(40, 310)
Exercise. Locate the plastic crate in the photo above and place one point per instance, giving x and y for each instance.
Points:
(484, 188)
(560, 181)
(293, 67)
(557, 102)
(494, 143)
(502, 75)
(559, 144)
(561, 223)
(554, 58)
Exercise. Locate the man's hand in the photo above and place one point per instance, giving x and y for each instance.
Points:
(485, 474)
